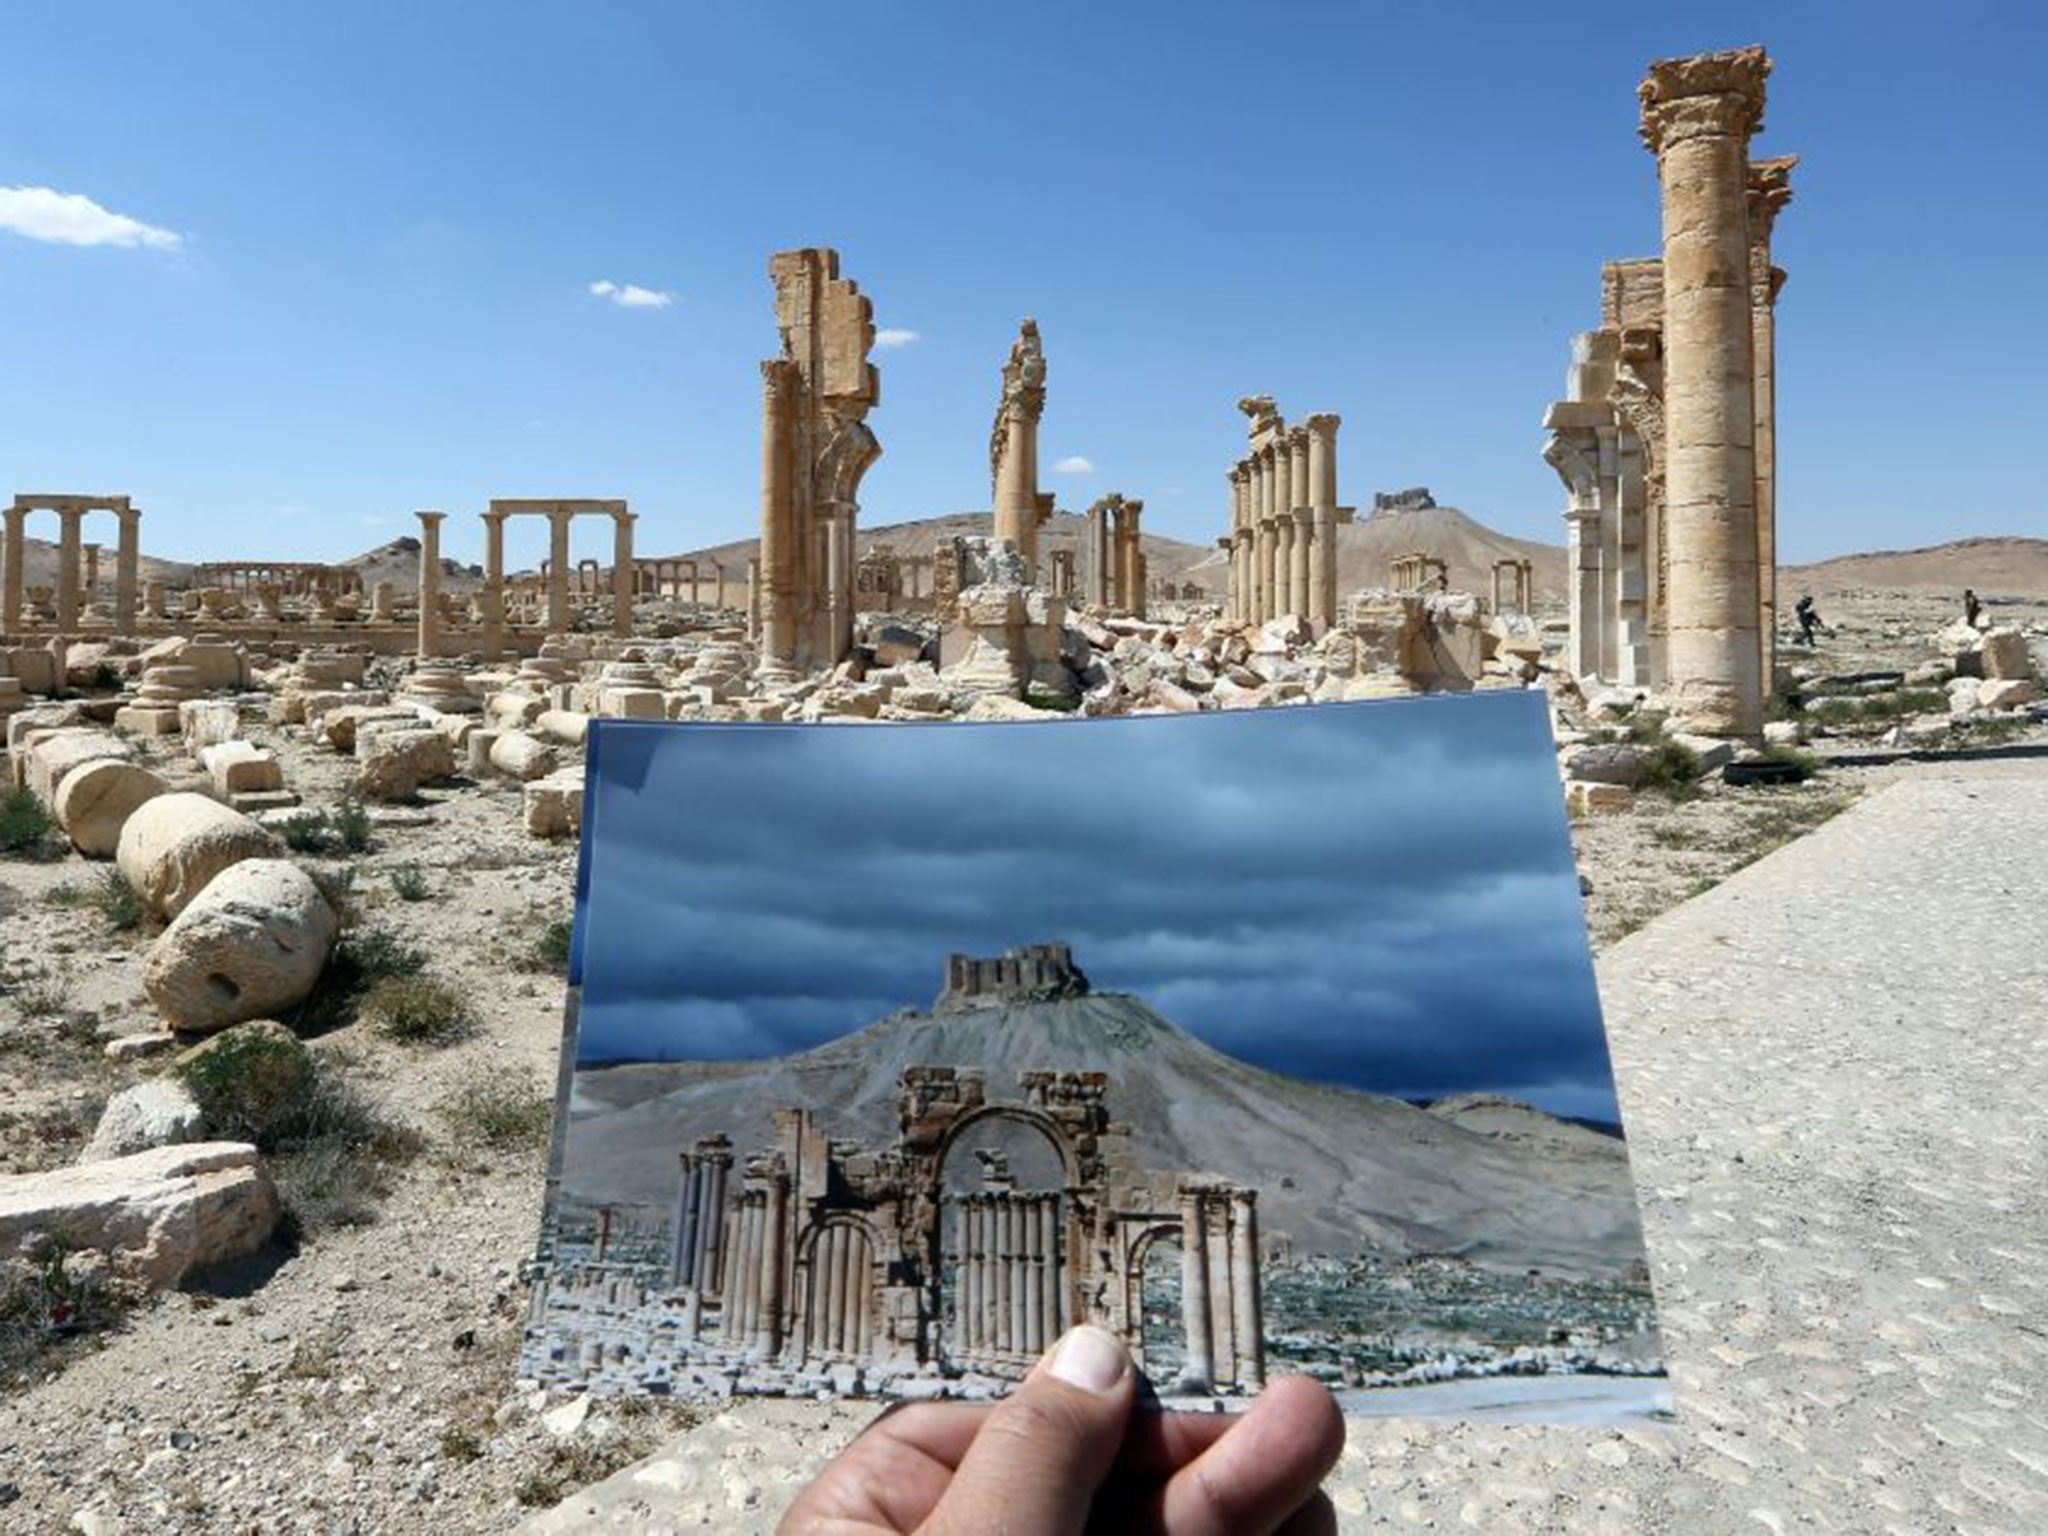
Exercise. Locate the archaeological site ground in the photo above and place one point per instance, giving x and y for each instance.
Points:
(552, 1021)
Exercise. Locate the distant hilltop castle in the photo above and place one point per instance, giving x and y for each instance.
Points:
(1025, 973)
(1415, 499)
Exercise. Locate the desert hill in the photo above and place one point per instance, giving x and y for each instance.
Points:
(39, 564)
(1999, 566)
(1337, 1170)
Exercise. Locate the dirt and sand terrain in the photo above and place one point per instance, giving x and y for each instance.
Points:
(362, 1378)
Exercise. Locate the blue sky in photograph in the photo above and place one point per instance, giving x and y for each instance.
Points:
(285, 273)
(1381, 895)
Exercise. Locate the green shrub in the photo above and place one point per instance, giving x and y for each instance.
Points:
(410, 883)
(45, 1304)
(253, 1082)
(371, 954)
(352, 826)
(418, 1010)
(27, 829)
(1804, 764)
(116, 901)
(1672, 770)
(551, 949)
(306, 832)
(338, 886)
(497, 1112)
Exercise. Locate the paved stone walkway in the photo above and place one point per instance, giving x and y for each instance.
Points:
(1833, 1068)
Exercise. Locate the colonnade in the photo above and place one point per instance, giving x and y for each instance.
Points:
(1514, 585)
(697, 1233)
(838, 1319)
(1283, 519)
(1009, 1291)
(71, 513)
(1116, 576)
(756, 1228)
(1417, 572)
(1219, 1291)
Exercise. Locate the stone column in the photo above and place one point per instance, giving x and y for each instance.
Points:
(836, 613)
(711, 1226)
(682, 1231)
(430, 583)
(1770, 189)
(91, 581)
(1698, 114)
(776, 589)
(494, 586)
(558, 573)
(1247, 1322)
(774, 1254)
(69, 522)
(13, 581)
(1299, 585)
(1269, 534)
(622, 573)
(1198, 1372)
(127, 570)
(1322, 500)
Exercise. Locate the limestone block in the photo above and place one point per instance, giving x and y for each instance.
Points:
(563, 725)
(554, 805)
(1783, 733)
(996, 706)
(40, 717)
(520, 756)
(339, 727)
(1620, 762)
(242, 768)
(172, 846)
(57, 753)
(631, 703)
(220, 667)
(1713, 752)
(83, 661)
(1165, 697)
(862, 701)
(895, 645)
(252, 944)
(206, 722)
(392, 763)
(1962, 695)
(33, 665)
(2005, 693)
(476, 751)
(1585, 798)
(2005, 654)
(515, 707)
(95, 801)
(156, 1112)
(159, 1216)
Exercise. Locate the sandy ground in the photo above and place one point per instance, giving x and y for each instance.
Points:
(363, 1384)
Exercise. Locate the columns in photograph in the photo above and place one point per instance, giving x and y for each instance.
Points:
(1770, 189)
(1008, 1307)
(1698, 114)
(127, 569)
(622, 573)
(558, 572)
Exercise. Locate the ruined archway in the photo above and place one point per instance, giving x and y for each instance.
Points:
(1000, 1270)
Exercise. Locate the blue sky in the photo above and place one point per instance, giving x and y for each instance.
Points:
(1381, 895)
(380, 223)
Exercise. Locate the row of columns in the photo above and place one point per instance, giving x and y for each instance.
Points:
(559, 517)
(1220, 1302)
(1115, 577)
(70, 557)
(838, 1318)
(697, 1233)
(1283, 517)
(755, 1237)
(1514, 586)
(1009, 1292)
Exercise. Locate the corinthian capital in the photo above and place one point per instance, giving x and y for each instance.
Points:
(1770, 189)
(1703, 94)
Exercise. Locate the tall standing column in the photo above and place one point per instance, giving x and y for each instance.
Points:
(494, 585)
(1247, 1322)
(13, 582)
(1770, 189)
(622, 573)
(1270, 497)
(1198, 1372)
(430, 583)
(69, 522)
(1322, 500)
(1015, 445)
(558, 573)
(967, 1285)
(127, 569)
(774, 1254)
(1698, 114)
(775, 590)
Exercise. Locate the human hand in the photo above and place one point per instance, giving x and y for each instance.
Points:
(1065, 1454)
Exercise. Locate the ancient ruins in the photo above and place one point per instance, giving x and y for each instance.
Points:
(815, 1263)
(1021, 509)
(1283, 519)
(1666, 438)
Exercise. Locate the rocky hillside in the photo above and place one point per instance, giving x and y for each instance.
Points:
(2004, 567)
(1338, 1171)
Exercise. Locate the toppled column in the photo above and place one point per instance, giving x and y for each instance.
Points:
(1013, 448)
(1698, 114)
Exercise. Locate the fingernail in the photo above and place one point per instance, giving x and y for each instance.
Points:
(1090, 1359)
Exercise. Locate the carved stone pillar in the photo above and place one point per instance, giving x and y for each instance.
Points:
(1770, 189)
(777, 589)
(1698, 114)
(494, 586)
(1198, 1371)
(127, 569)
(774, 1256)
(430, 583)
(69, 522)
(1248, 1325)
(13, 581)
(1015, 446)
(622, 573)
(558, 573)
(1322, 500)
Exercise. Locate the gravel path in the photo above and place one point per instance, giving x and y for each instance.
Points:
(1832, 1067)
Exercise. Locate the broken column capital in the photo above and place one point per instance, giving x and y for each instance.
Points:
(1703, 94)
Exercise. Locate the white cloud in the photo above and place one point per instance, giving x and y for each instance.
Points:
(630, 295)
(69, 218)
(1074, 464)
(895, 337)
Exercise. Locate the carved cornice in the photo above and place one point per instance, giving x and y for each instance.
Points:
(1770, 189)
(1703, 94)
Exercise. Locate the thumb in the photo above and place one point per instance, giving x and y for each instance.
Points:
(1044, 1450)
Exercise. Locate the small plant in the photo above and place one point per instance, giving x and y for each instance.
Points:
(315, 1354)
(116, 901)
(351, 825)
(306, 832)
(410, 883)
(252, 1082)
(338, 886)
(374, 953)
(1672, 770)
(1803, 764)
(493, 1112)
(46, 1302)
(459, 1445)
(39, 996)
(27, 829)
(418, 1010)
(551, 950)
